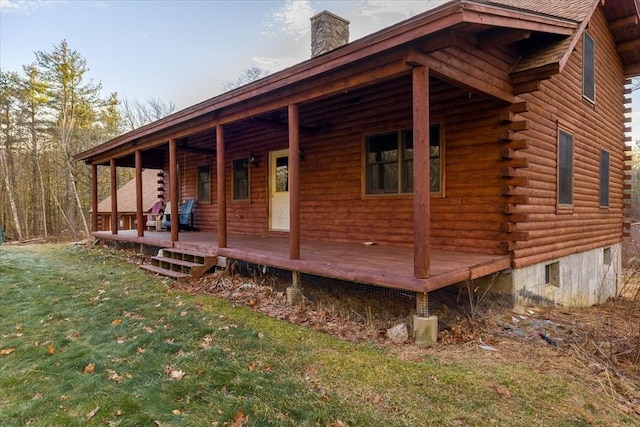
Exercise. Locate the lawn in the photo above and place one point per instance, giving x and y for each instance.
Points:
(89, 339)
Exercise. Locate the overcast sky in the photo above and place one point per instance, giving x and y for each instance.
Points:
(184, 50)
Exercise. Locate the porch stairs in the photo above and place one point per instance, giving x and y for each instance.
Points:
(181, 264)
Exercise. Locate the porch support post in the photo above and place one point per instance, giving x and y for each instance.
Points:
(425, 327)
(173, 189)
(221, 187)
(94, 197)
(139, 207)
(114, 197)
(294, 183)
(421, 174)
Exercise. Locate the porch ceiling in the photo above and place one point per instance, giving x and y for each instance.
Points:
(385, 266)
(313, 120)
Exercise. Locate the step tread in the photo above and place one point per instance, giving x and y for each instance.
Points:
(176, 261)
(187, 252)
(164, 271)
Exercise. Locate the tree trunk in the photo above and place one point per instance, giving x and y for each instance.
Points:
(12, 203)
(74, 190)
(34, 179)
(44, 201)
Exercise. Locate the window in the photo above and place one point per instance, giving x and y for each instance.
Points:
(389, 161)
(204, 184)
(604, 178)
(606, 256)
(589, 68)
(241, 179)
(565, 168)
(282, 174)
(552, 274)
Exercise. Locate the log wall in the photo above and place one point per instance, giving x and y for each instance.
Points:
(466, 216)
(555, 231)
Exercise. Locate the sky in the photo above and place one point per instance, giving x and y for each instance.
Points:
(183, 51)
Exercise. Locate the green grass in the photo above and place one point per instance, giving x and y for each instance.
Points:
(65, 307)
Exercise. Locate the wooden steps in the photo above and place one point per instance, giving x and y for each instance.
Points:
(181, 264)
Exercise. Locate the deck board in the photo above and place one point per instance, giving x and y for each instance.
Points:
(387, 266)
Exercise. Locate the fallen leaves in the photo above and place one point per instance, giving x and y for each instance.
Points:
(239, 420)
(51, 349)
(89, 369)
(6, 351)
(173, 373)
(113, 375)
(116, 322)
(257, 365)
(132, 315)
(266, 299)
(207, 342)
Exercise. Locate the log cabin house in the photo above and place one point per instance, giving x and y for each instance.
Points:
(479, 139)
(152, 190)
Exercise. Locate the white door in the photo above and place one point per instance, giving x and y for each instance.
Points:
(279, 190)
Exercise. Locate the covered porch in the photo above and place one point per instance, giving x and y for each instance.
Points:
(381, 265)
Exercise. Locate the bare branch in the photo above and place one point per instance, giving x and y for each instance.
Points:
(249, 75)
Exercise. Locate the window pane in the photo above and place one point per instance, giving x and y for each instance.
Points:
(435, 158)
(407, 171)
(241, 179)
(382, 163)
(407, 137)
(434, 181)
(204, 184)
(604, 178)
(383, 148)
(565, 168)
(588, 68)
(407, 161)
(282, 174)
(390, 161)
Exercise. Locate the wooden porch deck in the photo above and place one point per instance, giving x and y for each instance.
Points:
(386, 266)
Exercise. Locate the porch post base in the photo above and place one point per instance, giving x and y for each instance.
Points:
(425, 330)
(294, 293)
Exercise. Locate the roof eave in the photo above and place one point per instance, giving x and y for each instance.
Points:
(429, 22)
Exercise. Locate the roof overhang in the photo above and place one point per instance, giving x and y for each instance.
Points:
(624, 23)
(252, 98)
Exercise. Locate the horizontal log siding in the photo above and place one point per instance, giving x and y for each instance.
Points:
(559, 103)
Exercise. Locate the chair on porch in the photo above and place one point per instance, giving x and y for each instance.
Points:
(154, 219)
(185, 216)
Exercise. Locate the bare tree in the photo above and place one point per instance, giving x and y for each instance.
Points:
(249, 75)
(136, 114)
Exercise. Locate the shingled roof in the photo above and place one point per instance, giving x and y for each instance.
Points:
(553, 54)
(574, 10)
(127, 194)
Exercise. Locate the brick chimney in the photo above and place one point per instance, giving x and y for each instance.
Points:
(328, 31)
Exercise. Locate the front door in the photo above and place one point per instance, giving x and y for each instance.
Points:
(279, 190)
